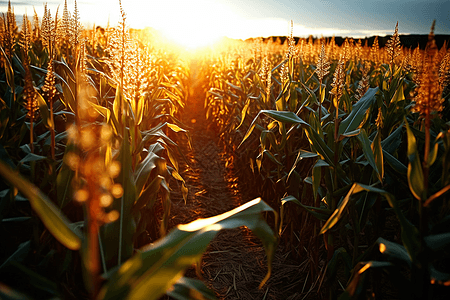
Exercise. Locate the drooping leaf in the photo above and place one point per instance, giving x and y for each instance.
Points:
(287, 117)
(143, 170)
(338, 213)
(157, 267)
(438, 242)
(353, 289)
(53, 219)
(393, 251)
(415, 172)
(32, 157)
(318, 212)
(356, 116)
(190, 289)
(410, 234)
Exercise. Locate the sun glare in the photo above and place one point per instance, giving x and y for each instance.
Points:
(192, 34)
(192, 23)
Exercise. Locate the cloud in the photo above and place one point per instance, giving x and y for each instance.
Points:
(243, 29)
(4, 4)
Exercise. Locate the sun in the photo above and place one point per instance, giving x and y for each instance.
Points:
(194, 32)
(191, 24)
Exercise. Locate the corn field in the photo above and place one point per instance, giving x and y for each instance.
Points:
(344, 149)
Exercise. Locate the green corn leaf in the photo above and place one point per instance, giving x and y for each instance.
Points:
(378, 155)
(395, 163)
(44, 111)
(69, 98)
(143, 170)
(433, 154)
(175, 128)
(410, 234)
(19, 255)
(18, 64)
(338, 213)
(415, 172)
(354, 288)
(53, 219)
(190, 289)
(317, 176)
(116, 105)
(148, 196)
(249, 130)
(393, 141)
(140, 109)
(398, 96)
(9, 71)
(319, 145)
(339, 254)
(287, 117)
(4, 117)
(393, 251)
(355, 118)
(438, 242)
(244, 112)
(157, 267)
(351, 133)
(439, 277)
(32, 157)
(318, 212)
(268, 154)
(301, 155)
(367, 150)
(105, 112)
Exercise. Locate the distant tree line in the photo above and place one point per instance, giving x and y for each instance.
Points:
(408, 41)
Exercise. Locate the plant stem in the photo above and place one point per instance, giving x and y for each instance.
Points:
(93, 248)
(320, 102)
(52, 131)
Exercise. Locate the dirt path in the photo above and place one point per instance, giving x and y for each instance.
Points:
(235, 262)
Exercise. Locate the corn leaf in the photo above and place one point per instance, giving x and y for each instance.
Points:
(393, 251)
(367, 150)
(356, 116)
(190, 289)
(392, 142)
(337, 214)
(395, 163)
(415, 173)
(143, 170)
(53, 219)
(157, 267)
(9, 72)
(44, 111)
(280, 116)
(318, 145)
(437, 242)
(318, 212)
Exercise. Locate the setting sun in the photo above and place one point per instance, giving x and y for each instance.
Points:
(189, 23)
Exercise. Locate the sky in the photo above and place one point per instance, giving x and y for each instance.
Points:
(191, 19)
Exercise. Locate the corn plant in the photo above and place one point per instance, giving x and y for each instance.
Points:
(319, 136)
